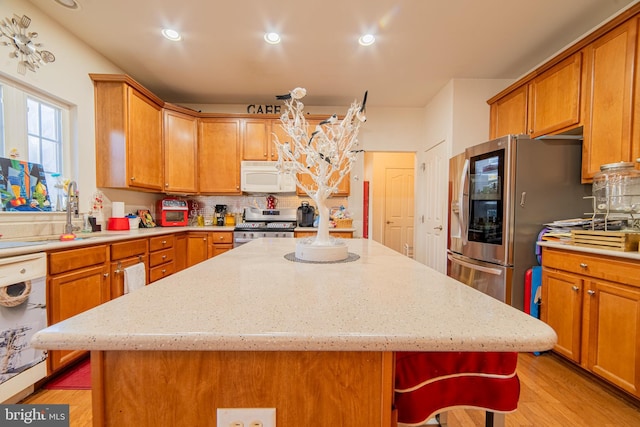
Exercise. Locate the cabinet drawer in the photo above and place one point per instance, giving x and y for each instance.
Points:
(221, 237)
(128, 249)
(160, 257)
(597, 266)
(161, 242)
(164, 270)
(63, 261)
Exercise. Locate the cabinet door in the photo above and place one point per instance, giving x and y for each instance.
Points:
(509, 114)
(71, 294)
(554, 103)
(255, 140)
(180, 152)
(219, 156)
(608, 99)
(180, 245)
(277, 130)
(144, 145)
(614, 333)
(197, 248)
(562, 310)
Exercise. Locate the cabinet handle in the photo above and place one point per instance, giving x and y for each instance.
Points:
(164, 271)
(166, 185)
(106, 275)
(221, 237)
(164, 257)
(164, 242)
(133, 178)
(204, 239)
(590, 292)
(575, 288)
(265, 154)
(584, 265)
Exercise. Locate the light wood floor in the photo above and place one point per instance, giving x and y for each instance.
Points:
(553, 393)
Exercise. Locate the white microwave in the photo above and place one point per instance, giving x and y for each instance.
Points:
(264, 177)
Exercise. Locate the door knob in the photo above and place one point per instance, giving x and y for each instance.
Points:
(438, 228)
(389, 222)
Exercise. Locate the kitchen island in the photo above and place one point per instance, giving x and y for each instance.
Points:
(250, 328)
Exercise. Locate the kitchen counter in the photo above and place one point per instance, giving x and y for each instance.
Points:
(331, 230)
(251, 329)
(252, 298)
(634, 255)
(41, 244)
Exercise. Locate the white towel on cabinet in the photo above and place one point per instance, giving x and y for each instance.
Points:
(134, 277)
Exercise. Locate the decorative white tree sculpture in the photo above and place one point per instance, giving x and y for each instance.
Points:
(319, 159)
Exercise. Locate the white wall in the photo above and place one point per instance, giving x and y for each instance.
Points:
(458, 116)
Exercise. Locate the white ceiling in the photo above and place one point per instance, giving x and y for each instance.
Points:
(421, 44)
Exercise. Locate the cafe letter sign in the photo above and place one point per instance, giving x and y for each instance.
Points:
(263, 109)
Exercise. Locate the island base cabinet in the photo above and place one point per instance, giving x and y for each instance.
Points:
(153, 388)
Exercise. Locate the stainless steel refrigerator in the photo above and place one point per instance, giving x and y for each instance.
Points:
(501, 193)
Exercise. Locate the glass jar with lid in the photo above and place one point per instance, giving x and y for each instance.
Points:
(616, 188)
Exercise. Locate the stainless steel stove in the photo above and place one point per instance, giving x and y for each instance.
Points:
(260, 223)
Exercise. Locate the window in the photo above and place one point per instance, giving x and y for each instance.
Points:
(36, 128)
(44, 136)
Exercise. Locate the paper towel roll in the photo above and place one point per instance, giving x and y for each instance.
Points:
(117, 211)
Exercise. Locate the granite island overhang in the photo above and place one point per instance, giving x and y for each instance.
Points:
(252, 314)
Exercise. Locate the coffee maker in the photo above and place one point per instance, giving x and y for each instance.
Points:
(220, 213)
(305, 215)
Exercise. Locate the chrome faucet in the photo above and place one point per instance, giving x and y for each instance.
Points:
(72, 203)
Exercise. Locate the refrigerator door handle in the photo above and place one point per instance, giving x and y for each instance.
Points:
(461, 201)
(494, 271)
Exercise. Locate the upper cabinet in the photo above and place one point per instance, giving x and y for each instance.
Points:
(256, 141)
(128, 135)
(608, 98)
(593, 87)
(180, 152)
(219, 147)
(554, 98)
(549, 103)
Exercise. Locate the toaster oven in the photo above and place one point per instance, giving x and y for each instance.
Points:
(172, 213)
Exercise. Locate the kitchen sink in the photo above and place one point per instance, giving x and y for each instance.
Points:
(38, 240)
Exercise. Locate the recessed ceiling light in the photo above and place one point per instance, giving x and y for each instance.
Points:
(170, 34)
(367, 40)
(71, 4)
(272, 38)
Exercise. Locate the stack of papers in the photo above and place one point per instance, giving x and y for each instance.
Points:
(560, 230)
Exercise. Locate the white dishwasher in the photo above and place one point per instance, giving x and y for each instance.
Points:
(22, 313)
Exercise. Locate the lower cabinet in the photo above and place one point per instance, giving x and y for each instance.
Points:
(220, 242)
(78, 281)
(126, 254)
(180, 245)
(161, 255)
(197, 247)
(593, 304)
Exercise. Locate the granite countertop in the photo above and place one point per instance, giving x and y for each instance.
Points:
(635, 255)
(252, 299)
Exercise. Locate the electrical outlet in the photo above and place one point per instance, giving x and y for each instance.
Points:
(246, 417)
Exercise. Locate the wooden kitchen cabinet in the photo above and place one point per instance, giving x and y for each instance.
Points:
(219, 148)
(337, 234)
(161, 255)
(197, 247)
(180, 251)
(128, 128)
(256, 140)
(509, 114)
(220, 242)
(78, 280)
(608, 98)
(126, 254)
(180, 151)
(593, 304)
(549, 103)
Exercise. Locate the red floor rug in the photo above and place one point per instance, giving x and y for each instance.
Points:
(76, 378)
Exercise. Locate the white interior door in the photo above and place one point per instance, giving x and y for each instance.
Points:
(435, 213)
(399, 211)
